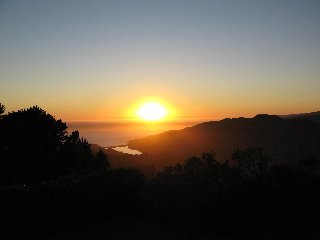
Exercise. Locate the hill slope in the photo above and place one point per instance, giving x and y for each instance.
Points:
(282, 139)
(313, 116)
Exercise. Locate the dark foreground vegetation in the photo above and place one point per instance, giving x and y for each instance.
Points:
(56, 188)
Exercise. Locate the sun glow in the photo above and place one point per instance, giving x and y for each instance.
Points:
(152, 111)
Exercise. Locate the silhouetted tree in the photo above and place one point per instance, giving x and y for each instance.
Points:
(102, 160)
(2, 109)
(310, 165)
(201, 195)
(196, 164)
(35, 146)
(251, 160)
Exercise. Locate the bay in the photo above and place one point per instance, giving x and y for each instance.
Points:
(118, 133)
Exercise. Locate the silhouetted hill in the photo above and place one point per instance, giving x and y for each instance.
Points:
(313, 116)
(290, 139)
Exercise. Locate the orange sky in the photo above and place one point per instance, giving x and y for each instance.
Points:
(85, 60)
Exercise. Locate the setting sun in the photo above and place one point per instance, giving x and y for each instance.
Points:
(152, 111)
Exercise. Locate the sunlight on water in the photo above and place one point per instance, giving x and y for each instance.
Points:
(119, 133)
(126, 149)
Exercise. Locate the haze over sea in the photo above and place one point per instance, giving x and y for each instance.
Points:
(114, 133)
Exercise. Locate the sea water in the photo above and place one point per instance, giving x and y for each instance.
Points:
(126, 149)
(118, 133)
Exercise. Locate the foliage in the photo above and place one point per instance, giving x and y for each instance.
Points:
(102, 160)
(251, 160)
(34, 146)
(201, 195)
(2, 109)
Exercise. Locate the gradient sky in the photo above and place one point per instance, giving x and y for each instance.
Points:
(90, 60)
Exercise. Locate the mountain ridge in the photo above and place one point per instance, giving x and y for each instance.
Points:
(312, 116)
(282, 139)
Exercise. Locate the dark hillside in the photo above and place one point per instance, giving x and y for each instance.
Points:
(292, 139)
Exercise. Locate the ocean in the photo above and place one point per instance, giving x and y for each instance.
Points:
(108, 134)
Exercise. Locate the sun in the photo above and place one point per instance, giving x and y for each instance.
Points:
(152, 111)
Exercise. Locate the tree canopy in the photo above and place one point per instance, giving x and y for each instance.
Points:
(35, 146)
(2, 109)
